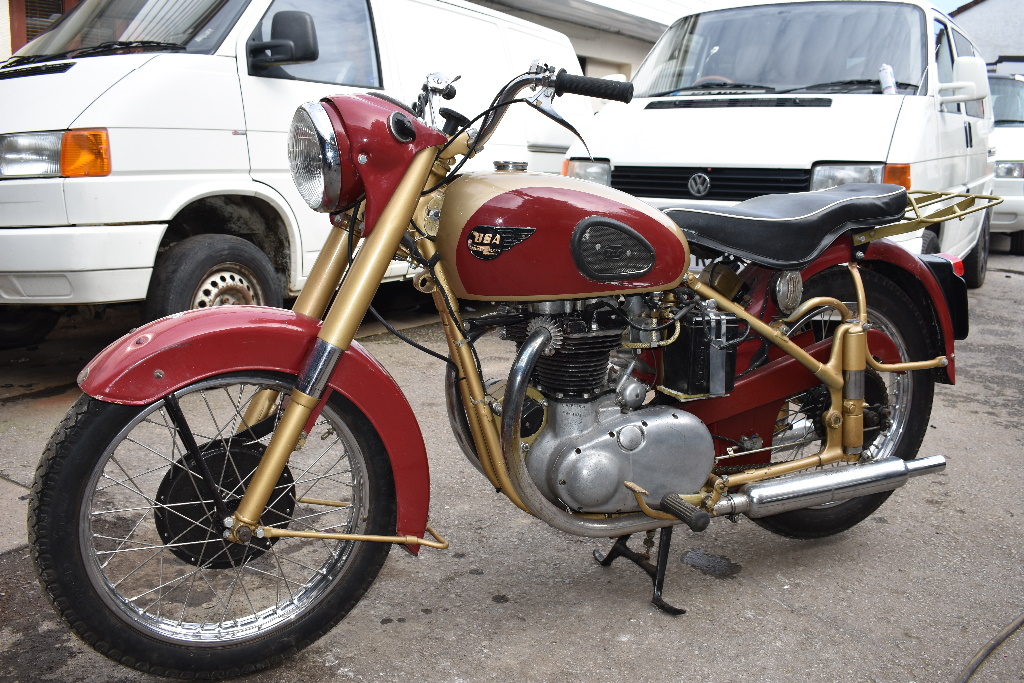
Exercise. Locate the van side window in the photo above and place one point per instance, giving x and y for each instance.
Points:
(944, 60)
(348, 50)
(964, 48)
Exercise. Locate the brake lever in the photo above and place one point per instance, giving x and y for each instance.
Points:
(543, 101)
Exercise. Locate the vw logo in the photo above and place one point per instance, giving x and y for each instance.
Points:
(699, 184)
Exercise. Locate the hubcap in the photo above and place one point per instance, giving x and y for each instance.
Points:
(229, 284)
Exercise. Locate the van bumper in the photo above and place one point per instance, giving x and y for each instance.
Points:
(77, 264)
(1008, 216)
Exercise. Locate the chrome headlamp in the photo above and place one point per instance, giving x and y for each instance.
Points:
(313, 157)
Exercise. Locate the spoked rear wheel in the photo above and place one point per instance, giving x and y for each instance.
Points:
(897, 405)
(130, 548)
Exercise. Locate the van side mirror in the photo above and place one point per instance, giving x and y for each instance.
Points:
(292, 41)
(970, 81)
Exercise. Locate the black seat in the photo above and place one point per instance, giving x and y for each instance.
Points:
(788, 231)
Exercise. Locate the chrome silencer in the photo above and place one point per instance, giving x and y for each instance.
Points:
(772, 497)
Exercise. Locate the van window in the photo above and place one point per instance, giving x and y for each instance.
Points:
(1008, 101)
(348, 50)
(802, 47)
(92, 25)
(944, 61)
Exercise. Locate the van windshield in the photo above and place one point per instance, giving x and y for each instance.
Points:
(1007, 101)
(96, 27)
(799, 47)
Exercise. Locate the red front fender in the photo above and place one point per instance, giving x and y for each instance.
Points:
(159, 358)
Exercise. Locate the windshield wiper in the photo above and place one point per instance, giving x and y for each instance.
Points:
(108, 47)
(715, 86)
(847, 85)
(998, 121)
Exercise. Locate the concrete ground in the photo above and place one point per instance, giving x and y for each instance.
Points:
(911, 594)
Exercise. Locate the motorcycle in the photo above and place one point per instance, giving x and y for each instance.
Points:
(232, 479)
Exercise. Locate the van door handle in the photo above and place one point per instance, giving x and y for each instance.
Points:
(969, 134)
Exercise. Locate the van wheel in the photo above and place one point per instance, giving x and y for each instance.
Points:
(929, 242)
(1017, 243)
(976, 262)
(211, 270)
(25, 326)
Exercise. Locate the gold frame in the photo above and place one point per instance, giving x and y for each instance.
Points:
(849, 354)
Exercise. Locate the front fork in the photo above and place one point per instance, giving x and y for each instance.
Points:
(339, 327)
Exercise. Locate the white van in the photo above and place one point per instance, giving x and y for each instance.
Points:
(1008, 139)
(143, 142)
(797, 96)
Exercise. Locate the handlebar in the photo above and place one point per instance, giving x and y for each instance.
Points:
(557, 83)
(593, 87)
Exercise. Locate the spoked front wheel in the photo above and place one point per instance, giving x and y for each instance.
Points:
(897, 405)
(129, 545)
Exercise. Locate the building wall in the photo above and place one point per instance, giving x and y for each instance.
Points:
(997, 26)
(606, 53)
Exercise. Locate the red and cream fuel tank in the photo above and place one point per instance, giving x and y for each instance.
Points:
(511, 235)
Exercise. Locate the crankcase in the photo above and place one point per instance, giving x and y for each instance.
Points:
(588, 450)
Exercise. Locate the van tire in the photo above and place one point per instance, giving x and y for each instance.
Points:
(211, 270)
(1017, 243)
(929, 242)
(25, 326)
(976, 262)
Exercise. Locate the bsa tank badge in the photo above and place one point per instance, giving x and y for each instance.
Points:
(488, 242)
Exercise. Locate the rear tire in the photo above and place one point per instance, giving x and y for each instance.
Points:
(130, 551)
(211, 270)
(976, 262)
(908, 396)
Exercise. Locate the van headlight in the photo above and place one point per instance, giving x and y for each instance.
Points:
(1010, 169)
(596, 170)
(825, 176)
(313, 157)
(52, 154)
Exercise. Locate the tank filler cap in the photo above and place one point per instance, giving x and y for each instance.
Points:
(511, 166)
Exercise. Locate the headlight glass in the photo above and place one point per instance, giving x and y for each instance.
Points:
(313, 157)
(30, 155)
(825, 176)
(1010, 169)
(596, 170)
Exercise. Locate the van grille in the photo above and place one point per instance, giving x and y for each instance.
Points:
(727, 184)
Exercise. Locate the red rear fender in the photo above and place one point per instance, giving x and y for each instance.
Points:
(168, 354)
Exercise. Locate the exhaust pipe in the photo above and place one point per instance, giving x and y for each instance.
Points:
(796, 493)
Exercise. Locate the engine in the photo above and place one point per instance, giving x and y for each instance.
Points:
(590, 419)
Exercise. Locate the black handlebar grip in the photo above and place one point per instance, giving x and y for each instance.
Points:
(693, 516)
(593, 87)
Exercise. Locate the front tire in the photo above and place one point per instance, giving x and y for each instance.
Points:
(211, 270)
(903, 402)
(129, 547)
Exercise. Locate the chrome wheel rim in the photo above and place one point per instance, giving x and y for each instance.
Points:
(139, 577)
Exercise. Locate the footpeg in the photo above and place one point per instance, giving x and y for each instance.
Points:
(691, 515)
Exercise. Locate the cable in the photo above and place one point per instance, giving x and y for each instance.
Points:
(979, 658)
(472, 148)
(401, 336)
